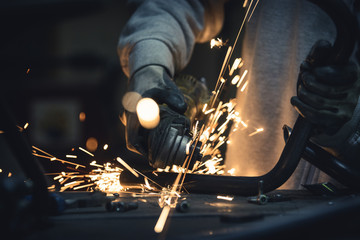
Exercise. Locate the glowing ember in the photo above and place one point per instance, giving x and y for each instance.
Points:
(244, 86)
(242, 79)
(256, 132)
(216, 43)
(227, 198)
(162, 219)
(231, 171)
(235, 80)
(235, 65)
(122, 162)
(85, 151)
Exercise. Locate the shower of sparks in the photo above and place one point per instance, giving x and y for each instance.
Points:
(213, 133)
(105, 178)
(220, 116)
(53, 158)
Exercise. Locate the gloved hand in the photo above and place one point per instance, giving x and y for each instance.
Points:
(154, 82)
(326, 94)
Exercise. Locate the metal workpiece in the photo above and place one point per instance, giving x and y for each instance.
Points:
(344, 172)
(244, 186)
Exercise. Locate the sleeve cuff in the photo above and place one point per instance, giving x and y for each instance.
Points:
(150, 52)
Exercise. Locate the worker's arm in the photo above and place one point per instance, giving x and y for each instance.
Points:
(163, 33)
(156, 43)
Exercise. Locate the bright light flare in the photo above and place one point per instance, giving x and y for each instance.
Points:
(148, 113)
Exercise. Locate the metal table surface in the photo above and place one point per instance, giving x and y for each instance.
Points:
(301, 215)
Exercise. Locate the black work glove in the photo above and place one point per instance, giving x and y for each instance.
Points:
(154, 82)
(326, 94)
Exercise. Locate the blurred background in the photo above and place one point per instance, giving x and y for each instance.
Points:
(60, 73)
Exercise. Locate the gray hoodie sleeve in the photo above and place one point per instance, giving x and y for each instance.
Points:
(164, 33)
